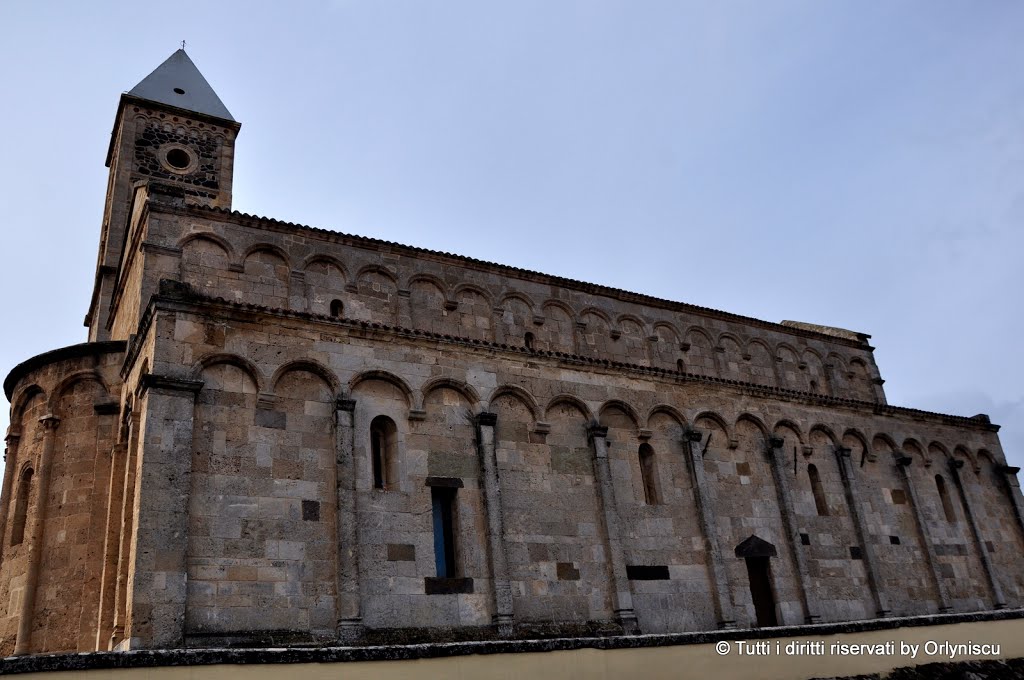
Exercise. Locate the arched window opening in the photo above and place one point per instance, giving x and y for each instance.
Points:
(528, 340)
(648, 473)
(819, 493)
(383, 446)
(679, 366)
(947, 505)
(21, 507)
(337, 308)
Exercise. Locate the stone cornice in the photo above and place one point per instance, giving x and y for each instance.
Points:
(179, 296)
(84, 349)
(379, 245)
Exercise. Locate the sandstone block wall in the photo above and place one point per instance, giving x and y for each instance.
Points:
(263, 456)
(266, 263)
(597, 483)
(64, 424)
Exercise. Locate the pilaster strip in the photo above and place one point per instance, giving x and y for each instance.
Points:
(621, 593)
(857, 513)
(350, 619)
(903, 465)
(998, 601)
(495, 523)
(706, 510)
(776, 456)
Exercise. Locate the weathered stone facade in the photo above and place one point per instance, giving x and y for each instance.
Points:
(280, 434)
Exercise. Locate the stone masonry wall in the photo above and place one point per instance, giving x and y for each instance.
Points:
(263, 522)
(266, 263)
(72, 402)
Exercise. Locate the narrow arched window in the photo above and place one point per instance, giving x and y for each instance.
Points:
(528, 340)
(819, 493)
(383, 438)
(947, 505)
(679, 366)
(649, 474)
(21, 507)
(337, 308)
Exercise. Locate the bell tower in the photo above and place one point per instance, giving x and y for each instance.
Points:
(173, 128)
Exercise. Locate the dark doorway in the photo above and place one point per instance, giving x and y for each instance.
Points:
(761, 591)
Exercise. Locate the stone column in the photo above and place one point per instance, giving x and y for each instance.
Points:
(622, 597)
(23, 645)
(720, 589)
(857, 514)
(903, 463)
(10, 468)
(998, 602)
(777, 458)
(111, 543)
(156, 608)
(1009, 473)
(485, 423)
(350, 619)
(124, 522)
(115, 501)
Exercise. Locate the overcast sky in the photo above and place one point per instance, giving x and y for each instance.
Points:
(856, 164)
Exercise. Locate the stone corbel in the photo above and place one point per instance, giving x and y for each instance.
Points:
(595, 431)
(693, 435)
(487, 419)
(165, 382)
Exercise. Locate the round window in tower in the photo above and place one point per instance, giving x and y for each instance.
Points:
(179, 158)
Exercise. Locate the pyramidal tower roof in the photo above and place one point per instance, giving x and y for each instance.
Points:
(177, 82)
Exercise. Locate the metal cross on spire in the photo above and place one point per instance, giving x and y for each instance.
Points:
(182, 44)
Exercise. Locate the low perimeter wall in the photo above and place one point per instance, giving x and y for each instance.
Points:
(831, 650)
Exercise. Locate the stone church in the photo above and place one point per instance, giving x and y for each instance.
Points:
(280, 435)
